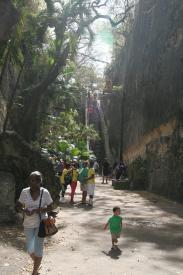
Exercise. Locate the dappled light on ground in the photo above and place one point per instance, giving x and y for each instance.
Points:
(151, 241)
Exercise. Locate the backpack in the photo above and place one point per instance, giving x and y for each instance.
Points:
(68, 179)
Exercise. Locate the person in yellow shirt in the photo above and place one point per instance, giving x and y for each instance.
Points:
(75, 175)
(65, 180)
(91, 183)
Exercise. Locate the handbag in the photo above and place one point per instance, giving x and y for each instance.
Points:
(47, 226)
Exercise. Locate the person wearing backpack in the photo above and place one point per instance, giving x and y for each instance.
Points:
(59, 167)
(65, 180)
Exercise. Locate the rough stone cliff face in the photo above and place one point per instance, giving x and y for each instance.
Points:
(153, 82)
(151, 74)
(111, 125)
(153, 95)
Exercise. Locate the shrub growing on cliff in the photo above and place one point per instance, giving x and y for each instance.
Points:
(137, 172)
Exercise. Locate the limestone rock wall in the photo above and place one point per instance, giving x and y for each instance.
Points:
(150, 70)
(165, 165)
(153, 94)
(110, 105)
(20, 159)
(7, 193)
(154, 73)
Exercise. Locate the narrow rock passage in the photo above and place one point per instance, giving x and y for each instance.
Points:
(151, 241)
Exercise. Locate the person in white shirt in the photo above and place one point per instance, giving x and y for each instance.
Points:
(96, 167)
(91, 183)
(28, 202)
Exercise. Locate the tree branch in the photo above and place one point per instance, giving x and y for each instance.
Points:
(96, 4)
(54, 71)
(11, 100)
(93, 58)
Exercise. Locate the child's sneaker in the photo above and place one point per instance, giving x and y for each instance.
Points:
(116, 241)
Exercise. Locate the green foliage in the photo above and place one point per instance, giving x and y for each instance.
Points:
(75, 152)
(62, 146)
(85, 155)
(69, 70)
(45, 45)
(137, 172)
(64, 133)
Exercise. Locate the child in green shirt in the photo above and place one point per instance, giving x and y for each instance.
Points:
(115, 226)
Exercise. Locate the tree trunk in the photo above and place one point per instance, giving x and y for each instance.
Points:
(27, 120)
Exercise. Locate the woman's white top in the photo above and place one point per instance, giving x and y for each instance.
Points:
(33, 221)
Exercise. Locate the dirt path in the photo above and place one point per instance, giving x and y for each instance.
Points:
(151, 242)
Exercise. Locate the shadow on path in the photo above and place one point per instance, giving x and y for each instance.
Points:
(12, 235)
(113, 253)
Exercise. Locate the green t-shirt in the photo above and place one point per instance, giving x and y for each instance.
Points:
(115, 224)
(83, 174)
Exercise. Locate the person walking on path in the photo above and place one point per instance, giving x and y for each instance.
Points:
(91, 183)
(83, 175)
(75, 175)
(115, 226)
(65, 180)
(105, 171)
(115, 165)
(29, 203)
(59, 167)
(119, 170)
(96, 167)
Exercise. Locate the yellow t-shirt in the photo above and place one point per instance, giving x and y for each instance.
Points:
(75, 174)
(64, 172)
(91, 172)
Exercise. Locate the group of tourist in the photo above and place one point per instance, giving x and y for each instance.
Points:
(119, 170)
(36, 203)
(71, 173)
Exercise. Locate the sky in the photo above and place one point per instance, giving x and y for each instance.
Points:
(102, 47)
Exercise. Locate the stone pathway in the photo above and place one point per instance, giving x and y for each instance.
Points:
(151, 242)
